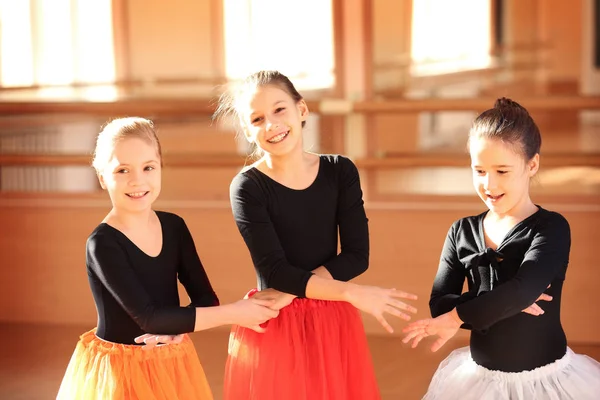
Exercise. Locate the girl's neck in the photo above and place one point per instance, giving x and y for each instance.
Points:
(287, 164)
(516, 214)
(125, 220)
(296, 173)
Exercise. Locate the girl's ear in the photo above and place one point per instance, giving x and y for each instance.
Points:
(248, 134)
(533, 165)
(101, 180)
(303, 109)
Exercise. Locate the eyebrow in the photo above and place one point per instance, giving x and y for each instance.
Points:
(494, 166)
(274, 104)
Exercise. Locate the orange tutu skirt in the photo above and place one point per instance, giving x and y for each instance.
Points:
(314, 350)
(103, 370)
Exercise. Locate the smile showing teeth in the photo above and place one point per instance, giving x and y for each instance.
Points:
(136, 195)
(494, 198)
(278, 138)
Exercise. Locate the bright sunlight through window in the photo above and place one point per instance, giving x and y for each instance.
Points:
(16, 59)
(450, 36)
(294, 37)
(56, 42)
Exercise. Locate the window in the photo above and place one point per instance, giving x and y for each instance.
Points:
(450, 36)
(56, 42)
(294, 37)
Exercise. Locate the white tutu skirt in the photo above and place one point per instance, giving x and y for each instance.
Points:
(573, 377)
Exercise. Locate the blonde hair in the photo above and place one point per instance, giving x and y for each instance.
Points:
(118, 130)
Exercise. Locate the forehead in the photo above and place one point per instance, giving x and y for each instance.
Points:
(259, 98)
(134, 149)
(485, 151)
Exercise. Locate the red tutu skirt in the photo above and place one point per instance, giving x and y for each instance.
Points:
(314, 350)
(101, 370)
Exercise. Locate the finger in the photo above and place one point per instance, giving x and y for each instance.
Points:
(262, 302)
(156, 339)
(257, 328)
(263, 295)
(534, 309)
(141, 338)
(420, 324)
(438, 344)
(412, 335)
(397, 313)
(544, 297)
(149, 343)
(529, 310)
(402, 306)
(167, 339)
(418, 340)
(148, 346)
(404, 295)
(537, 309)
(151, 339)
(384, 323)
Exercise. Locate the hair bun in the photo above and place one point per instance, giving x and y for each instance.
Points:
(505, 103)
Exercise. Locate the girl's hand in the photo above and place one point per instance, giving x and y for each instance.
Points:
(445, 327)
(280, 299)
(378, 301)
(536, 310)
(252, 312)
(151, 340)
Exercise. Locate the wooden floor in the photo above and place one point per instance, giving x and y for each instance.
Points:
(33, 359)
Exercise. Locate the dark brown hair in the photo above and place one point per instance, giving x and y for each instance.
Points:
(510, 123)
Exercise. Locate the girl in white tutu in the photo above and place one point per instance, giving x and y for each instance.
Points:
(514, 257)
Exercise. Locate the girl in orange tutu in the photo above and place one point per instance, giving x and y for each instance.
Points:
(134, 259)
(289, 206)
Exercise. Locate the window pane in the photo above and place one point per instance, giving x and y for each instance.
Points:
(450, 36)
(264, 34)
(16, 61)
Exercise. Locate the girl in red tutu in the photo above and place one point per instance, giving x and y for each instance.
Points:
(134, 259)
(289, 207)
(513, 256)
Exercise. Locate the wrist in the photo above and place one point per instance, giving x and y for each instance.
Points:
(229, 313)
(455, 317)
(348, 291)
(322, 272)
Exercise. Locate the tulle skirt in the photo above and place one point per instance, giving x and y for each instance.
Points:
(573, 377)
(103, 370)
(314, 350)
